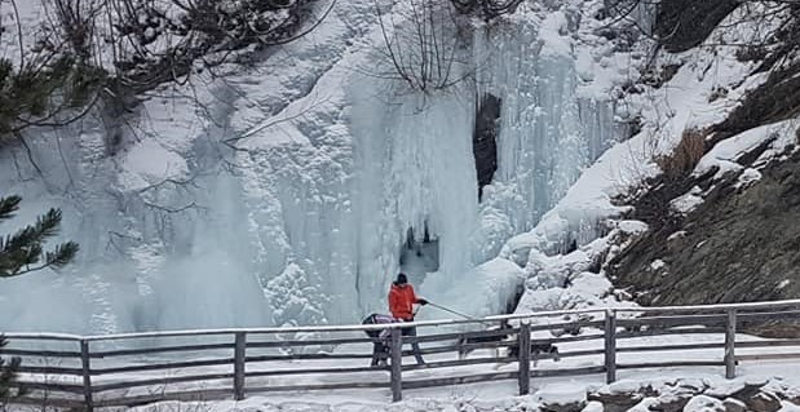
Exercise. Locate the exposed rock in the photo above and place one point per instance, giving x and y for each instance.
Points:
(683, 24)
(620, 397)
(763, 402)
(750, 394)
(757, 222)
(727, 390)
(593, 406)
(644, 406)
(561, 399)
(795, 399)
(691, 394)
(744, 391)
(703, 403)
(775, 100)
(690, 385)
(616, 402)
(734, 405)
(576, 406)
(671, 402)
(676, 241)
(676, 395)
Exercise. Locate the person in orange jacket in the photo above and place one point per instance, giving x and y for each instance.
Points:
(401, 303)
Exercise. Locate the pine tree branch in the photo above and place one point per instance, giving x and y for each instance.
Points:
(9, 205)
(62, 255)
(23, 252)
(59, 257)
(17, 255)
(45, 226)
(8, 374)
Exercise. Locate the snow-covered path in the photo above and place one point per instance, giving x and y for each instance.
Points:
(331, 365)
(494, 395)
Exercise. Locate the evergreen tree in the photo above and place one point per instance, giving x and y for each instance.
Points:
(53, 93)
(8, 373)
(21, 253)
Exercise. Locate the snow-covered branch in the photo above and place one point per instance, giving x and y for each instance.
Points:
(79, 52)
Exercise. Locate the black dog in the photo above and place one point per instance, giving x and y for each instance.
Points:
(463, 343)
(538, 350)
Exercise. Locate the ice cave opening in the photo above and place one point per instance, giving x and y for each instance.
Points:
(419, 256)
(484, 139)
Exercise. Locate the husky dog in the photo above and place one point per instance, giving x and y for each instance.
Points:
(500, 337)
(538, 350)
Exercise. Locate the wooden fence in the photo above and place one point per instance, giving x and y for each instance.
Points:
(88, 372)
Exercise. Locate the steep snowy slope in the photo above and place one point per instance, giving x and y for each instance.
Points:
(681, 214)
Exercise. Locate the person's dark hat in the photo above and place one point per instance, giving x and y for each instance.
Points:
(402, 279)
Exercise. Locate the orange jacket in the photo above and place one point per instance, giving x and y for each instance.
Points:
(401, 301)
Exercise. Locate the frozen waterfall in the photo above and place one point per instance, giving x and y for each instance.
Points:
(307, 221)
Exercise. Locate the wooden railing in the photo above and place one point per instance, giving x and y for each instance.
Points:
(128, 369)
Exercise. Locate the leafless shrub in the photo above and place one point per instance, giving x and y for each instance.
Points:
(488, 9)
(683, 159)
(421, 45)
(718, 92)
(751, 53)
(116, 50)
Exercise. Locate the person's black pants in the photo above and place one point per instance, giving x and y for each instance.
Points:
(412, 331)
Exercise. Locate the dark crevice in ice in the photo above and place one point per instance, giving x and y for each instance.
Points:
(419, 255)
(484, 139)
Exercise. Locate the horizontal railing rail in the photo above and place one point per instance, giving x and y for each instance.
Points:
(98, 371)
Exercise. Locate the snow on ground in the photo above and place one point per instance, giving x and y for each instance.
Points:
(724, 155)
(483, 396)
(780, 375)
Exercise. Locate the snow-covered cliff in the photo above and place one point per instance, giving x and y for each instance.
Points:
(292, 190)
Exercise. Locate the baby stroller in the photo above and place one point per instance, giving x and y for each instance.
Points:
(380, 347)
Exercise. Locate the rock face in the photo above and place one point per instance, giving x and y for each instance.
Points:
(743, 237)
(704, 403)
(577, 406)
(683, 24)
(691, 395)
(734, 405)
(724, 233)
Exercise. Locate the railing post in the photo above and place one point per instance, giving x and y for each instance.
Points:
(240, 345)
(730, 342)
(87, 375)
(397, 365)
(524, 356)
(611, 346)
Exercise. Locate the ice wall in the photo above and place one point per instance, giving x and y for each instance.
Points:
(304, 220)
(415, 170)
(549, 131)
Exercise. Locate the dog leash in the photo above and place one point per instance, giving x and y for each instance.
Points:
(463, 315)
